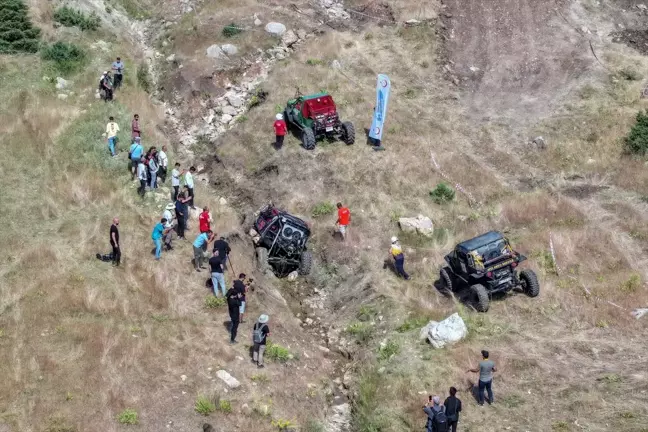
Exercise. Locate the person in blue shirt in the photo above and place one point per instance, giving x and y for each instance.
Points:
(135, 152)
(200, 247)
(118, 68)
(158, 233)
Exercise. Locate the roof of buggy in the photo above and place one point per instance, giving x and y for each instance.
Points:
(482, 240)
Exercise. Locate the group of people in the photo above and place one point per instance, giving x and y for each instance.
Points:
(111, 80)
(445, 417)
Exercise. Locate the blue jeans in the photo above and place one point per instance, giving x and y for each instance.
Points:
(485, 385)
(218, 279)
(111, 145)
(153, 180)
(399, 263)
(158, 248)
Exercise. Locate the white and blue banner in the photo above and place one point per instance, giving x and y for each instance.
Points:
(380, 111)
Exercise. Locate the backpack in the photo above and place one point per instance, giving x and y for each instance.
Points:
(440, 422)
(257, 334)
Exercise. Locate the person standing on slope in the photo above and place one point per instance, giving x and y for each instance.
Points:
(452, 409)
(233, 305)
(114, 242)
(135, 154)
(204, 220)
(157, 235)
(168, 215)
(260, 333)
(135, 128)
(485, 369)
(189, 183)
(163, 163)
(141, 175)
(112, 129)
(343, 220)
(280, 130)
(118, 68)
(396, 252)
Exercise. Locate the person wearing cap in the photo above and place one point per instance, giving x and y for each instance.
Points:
(168, 215)
(280, 130)
(112, 129)
(102, 92)
(485, 369)
(433, 407)
(135, 155)
(260, 333)
(396, 252)
(118, 67)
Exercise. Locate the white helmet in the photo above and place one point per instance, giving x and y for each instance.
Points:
(279, 116)
(394, 239)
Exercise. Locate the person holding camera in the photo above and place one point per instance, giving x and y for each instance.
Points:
(118, 67)
(437, 420)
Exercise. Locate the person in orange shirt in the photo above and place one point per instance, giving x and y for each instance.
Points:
(344, 217)
(280, 130)
(204, 220)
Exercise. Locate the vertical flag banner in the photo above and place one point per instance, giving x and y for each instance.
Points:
(380, 111)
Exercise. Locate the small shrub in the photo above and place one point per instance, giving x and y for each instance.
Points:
(16, 31)
(629, 74)
(388, 350)
(242, 119)
(627, 415)
(258, 97)
(212, 302)
(232, 30)
(410, 93)
(260, 378)
(362, 332)
(277, 353)
(367, 313)
(412, 323)
(66, 57)
(602, 324)
(323, 209)
(442, 193)
(611, 378)
(128, 416)
(512, 401)
(368, 36)
(144, 77)
(313, 426)
(632, 284)
(545, 260)
(637, 140)
(225, 406)
(314, 62)
(73, 18)
(204, 406)
(283, 425)
(560, 426)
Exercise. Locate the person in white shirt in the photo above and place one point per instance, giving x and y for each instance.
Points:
(168, 214)
(163, 162)
(112, 129)
(189, 183)
(142, 175)
(175, 180)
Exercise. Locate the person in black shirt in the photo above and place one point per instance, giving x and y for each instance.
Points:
(239, 285)
(114, 242)
(260, 334)
(233, 305)
(223, 249)
(452, 409)
(181, 215)
(216, 264)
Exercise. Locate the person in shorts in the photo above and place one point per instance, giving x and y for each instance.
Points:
(344, 218)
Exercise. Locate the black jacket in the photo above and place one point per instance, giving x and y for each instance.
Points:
(222, 247)
(452, 405)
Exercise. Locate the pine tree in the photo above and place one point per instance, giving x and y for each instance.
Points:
(16, 31)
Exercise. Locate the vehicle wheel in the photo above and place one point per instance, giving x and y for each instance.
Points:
(529, 283)
(262, 258)
(305, 263)
(308, 139)
(446, 281)
(481, 301)
(348, 133)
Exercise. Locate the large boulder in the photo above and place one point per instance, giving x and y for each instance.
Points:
(446, 332)
(229, 49)
(275, 28)
(215, 51)
(62, 83)
(420, 224)
(228, 379)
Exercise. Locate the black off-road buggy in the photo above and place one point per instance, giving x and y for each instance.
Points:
(281, 242)
(487, 265)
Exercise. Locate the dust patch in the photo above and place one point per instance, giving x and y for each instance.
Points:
(379, 12)
(637, 39)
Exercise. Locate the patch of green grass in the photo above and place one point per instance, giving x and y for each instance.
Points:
(134, 9)
(314, 62)
(361, 331)
(232, 30)
(242, 119)
(260, 378)
(629, 74)
(277, 353)
(637, 140)
(627, 415)
(66, 58)
(560, 426)
(159, 318)
(611, 378)
(313, 426)
(368, 414)
(258, 97)
(412, 323)
(388, 350)
(16, 31)
(74, 18)
(323, 209)
(283, 425)
(410, 93)
(204, 406)
(545, 260)
(512, 401)
(128, 416)
(212, 302)
(224, 405)
(442, 194)
(144, 77)
(632, 284)
(367, 313)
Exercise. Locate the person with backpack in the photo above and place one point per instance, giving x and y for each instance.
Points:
(437, 420)
(233, 306)
(135, 155)
(260, 333)
(107, 85)
(485, 370)
(452, 406)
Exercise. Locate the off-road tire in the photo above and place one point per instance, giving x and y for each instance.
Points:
(529, 283)
(305, 263)
(308, 139)
(446, 280)
(262, 259)
(481, 302)
(348, 133)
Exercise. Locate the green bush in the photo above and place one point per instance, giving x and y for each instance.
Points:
(66, 57)
(16, 31)
(361, 331)
(204, 406)
(232, 30)
(225, 406)
(388, 350)
(212, 302)
(323, 209)
(128, 416)
(442, 193)
(73, 18)
(144, 77)
(637, 140)
(277, 353)
(412, 323)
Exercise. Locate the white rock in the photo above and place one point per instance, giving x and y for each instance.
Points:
(228, 379)
(642, 6)
(222, 201)
(227, 109)
(275, 28)
(253, 233)
(183, 378)
(339, 419)
(62, 83)
(289, 38)
(97, 95)
(235, 101)
(412, 22)
(226, 118)
(292, 276)
(165, 43)
(215, 51)
(257, 22)
(308, 321)
(229, 49)
(540, 142)
(638, 313)
(171, 58)
(335, 64)
(62, 96)
(447, 332)
(421, 224)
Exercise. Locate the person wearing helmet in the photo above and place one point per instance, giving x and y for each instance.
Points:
(396, 251)
(280, 130)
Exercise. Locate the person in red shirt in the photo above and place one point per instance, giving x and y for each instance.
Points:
(280, 130)
(204, 220)
(344, 217)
